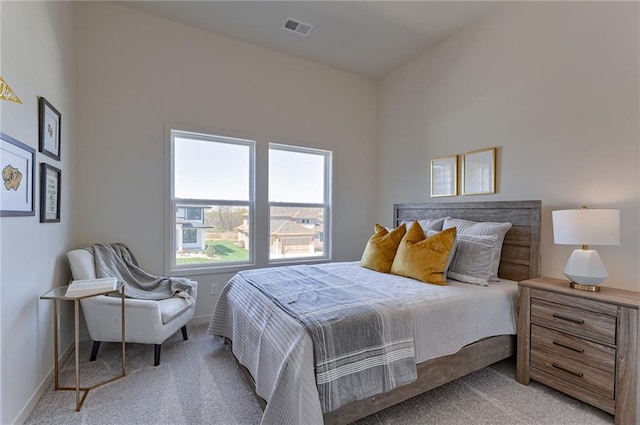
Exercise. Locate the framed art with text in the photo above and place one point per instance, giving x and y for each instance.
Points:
(479, 172)
(17, 163)
(444, 176)
(50, 124)
(50, 185)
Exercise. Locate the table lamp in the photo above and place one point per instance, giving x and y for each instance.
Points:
(586, 227)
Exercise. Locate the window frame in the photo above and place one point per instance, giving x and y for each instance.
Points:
(171, 267)
(326, 205)
(259, 206)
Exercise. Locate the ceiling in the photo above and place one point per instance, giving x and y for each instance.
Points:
(370, 38)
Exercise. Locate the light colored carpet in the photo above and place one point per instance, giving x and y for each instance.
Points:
(199, 382)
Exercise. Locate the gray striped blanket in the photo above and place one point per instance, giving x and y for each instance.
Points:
(362, 337)
(116, 260)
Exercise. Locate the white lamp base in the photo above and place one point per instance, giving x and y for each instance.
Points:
(585, 270)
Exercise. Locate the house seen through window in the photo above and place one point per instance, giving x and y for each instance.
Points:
(213, 200)
(212, 186)
(299, 200)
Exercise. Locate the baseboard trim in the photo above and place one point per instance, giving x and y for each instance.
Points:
(44, 385)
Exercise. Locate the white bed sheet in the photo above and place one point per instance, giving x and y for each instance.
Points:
(277, 351)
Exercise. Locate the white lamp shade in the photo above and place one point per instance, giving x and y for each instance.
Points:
(586, 227)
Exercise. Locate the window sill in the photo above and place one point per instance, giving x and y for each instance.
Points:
(197, 271)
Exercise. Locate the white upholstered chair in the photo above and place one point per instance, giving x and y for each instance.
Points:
(146, 321)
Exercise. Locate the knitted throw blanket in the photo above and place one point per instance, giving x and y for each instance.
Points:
(116, 260)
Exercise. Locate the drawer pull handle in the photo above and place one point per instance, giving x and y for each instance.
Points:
(568, 319)
(568, 347)
(557, 366)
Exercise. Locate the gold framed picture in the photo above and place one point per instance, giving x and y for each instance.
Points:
(444, 176)
(479, 172)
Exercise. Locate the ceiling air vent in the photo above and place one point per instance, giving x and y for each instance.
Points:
(297, 27)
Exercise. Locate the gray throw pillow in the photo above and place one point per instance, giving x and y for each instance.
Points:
(473, 228)
(473, 259)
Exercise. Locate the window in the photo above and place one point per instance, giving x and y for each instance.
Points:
(211, 200)
(299, 202)
(213, 204)
(194, 213)
(189, 236)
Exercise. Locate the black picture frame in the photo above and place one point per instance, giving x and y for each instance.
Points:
(50, 127)
(50, 188)
(17, 161)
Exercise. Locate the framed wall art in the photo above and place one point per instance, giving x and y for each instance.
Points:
(50, 123)
(17, 163)
(50, 185)
(444, 176)
(479, 172)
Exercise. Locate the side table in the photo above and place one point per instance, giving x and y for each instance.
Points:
(58, 294)
(584, 344)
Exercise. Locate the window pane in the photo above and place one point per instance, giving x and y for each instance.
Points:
(189, 235)
(218, 234)
(296, 176)
(211, 169)
(296, 232)
(194, 213)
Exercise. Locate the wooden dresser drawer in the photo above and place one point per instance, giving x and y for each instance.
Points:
(573, 349)
(598, 326)
(582, 343)
(582, 376)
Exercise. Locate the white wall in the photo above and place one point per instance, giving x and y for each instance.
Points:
(555, 87)
(37, 59)
(137, 72)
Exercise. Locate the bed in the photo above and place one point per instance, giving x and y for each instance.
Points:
(276, 353)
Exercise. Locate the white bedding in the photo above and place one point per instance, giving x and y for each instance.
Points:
(277, 351)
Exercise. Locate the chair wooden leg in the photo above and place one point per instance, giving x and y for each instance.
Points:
(184, 332)
(94, 351)
(156, 355)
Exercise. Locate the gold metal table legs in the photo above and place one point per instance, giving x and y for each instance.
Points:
(77, 388)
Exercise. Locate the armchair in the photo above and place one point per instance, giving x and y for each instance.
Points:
(147, 321)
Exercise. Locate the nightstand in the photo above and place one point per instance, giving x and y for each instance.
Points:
(584, 344)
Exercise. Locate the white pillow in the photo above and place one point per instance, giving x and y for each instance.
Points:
(473, 228)
(427, 224)
(473, 259)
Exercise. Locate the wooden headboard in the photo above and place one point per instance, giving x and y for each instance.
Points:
(520, 258)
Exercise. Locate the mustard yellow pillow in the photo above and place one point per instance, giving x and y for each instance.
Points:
(381, 249)
(423, 258)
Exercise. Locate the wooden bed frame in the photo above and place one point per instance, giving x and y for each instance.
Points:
(520, 260)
